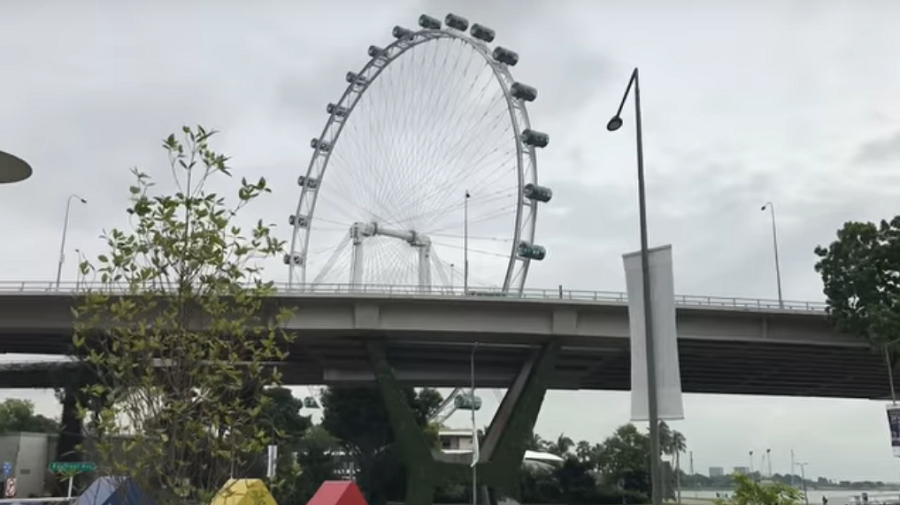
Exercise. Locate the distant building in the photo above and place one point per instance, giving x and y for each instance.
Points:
(28, 455)
(743, 470)
(716, 471)
(456, 440)
(458, 443)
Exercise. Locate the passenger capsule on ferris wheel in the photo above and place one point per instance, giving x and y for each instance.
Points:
(401, 33)
(293, 259)
(336, 110)
(354, 78)
(537, 193)
(429, 23)
(310, 183)
(506, 56)
(320, 145)
(456, 22)
(531, 251)
(535, 138)
(465, 401)
(482, 32)
(523, 92)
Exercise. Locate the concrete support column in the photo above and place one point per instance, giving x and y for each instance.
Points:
(504, 446)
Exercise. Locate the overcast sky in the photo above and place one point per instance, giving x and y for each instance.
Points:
(744, 102)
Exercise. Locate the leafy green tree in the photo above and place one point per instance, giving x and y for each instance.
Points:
(357, 417)
(18, 415)
(583, 450)
(861, 275)
(626, 460)
(576, 484)
(282, 415)
(749, 492)
(302, 471)
(178, 334)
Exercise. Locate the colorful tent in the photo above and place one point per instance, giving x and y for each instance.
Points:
(244, 492)
(113, 491)
(338, 492)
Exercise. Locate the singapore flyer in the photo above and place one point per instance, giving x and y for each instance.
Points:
(425, 173)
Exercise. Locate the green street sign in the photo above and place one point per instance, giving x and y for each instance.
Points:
(72, 467)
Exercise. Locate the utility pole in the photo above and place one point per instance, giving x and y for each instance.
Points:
(803, 477)
(769, 461)
(792, 468)
(771, 207)
(475, 450)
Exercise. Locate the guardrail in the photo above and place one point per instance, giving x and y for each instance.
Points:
(36, 287)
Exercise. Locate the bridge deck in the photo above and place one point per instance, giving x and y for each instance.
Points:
(724, 348)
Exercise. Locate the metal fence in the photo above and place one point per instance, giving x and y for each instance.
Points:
(283, 289)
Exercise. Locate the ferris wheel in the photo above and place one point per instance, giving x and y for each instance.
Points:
(431, 170)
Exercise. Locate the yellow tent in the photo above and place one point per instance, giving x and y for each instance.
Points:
(244, 492)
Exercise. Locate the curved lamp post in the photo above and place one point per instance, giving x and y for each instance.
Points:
(771, 207)
(614, 124)
(62, 244)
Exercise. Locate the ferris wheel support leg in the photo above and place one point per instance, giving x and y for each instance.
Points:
(415, 451)
(502, 448)
(507, 437)
(356, 265)
(424, 268)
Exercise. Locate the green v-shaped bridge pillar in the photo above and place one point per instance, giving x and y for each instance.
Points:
(503, 448)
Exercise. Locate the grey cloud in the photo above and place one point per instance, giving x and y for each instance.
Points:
(881, 150)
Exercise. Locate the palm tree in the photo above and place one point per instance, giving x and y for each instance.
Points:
(536, 443)
(561, 446)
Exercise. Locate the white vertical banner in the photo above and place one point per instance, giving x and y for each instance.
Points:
(665, 335)
(893, 414)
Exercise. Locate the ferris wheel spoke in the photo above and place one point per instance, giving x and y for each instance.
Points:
(477, 203)
(330, 263)
(456, 191)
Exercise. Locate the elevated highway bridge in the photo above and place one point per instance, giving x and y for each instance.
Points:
(726, 345)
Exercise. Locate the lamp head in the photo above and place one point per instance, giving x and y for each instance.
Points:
(614, 124)
(82, 200)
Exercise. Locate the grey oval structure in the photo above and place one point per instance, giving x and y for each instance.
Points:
(13, 168)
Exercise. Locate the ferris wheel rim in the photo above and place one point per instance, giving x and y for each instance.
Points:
(501, 75)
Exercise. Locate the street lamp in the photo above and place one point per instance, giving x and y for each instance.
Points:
(803, 478)
(13, 169)
(614, 124)
(62, 244)
(466, 244)
(771, 207)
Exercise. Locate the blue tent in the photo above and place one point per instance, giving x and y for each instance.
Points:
(113, 491)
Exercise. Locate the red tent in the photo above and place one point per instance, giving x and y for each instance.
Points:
(338, 492)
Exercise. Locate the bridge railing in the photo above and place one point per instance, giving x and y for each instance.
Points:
(559, 293)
